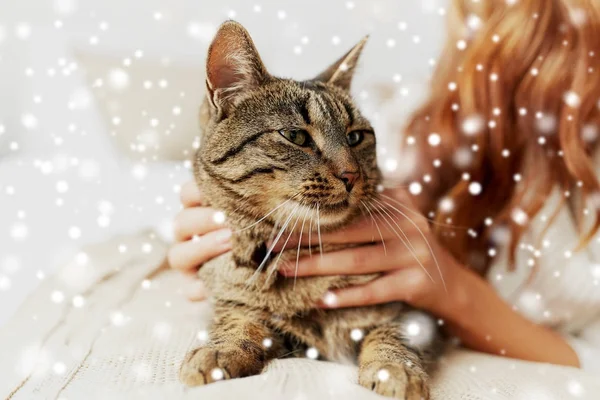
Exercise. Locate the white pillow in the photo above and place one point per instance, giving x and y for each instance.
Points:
(150, 108)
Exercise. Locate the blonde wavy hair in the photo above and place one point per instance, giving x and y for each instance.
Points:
(516, 92)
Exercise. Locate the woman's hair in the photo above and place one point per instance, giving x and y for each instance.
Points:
(515, 100)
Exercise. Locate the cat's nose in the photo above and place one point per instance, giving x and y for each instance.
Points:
(349, 178)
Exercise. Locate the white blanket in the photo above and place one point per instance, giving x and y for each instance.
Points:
(113, 324)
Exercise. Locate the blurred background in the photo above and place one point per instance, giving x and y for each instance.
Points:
(99, 100)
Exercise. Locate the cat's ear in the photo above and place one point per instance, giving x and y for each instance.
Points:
(340, 72)
(233, 66)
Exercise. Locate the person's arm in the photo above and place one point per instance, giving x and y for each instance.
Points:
(485, 322)
(469, 305)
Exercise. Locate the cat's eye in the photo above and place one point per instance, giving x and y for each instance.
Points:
(355, 137)
(296, 136)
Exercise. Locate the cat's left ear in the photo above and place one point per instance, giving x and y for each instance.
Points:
(340, 73)
(233, 67)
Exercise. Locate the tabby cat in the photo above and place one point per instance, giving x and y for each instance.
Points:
(281, 156)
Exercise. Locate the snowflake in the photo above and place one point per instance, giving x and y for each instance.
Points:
(434, 139)
(572, 99)
(118, 79)
(57, 296)
(473, 22)
(472, 125)
(19, 231)
(5, 283)
(217, 374)
(356, 334)
(202, 335)
(519, 216)
(117, 318)
(446, 205)
(475, 188)
(383, 375)
(330, 299)
(312, 353)
(391, 164)
(29, 121)
(415, 188)
(23, 31)
(78, 301)
(74, 232)
(219, 217)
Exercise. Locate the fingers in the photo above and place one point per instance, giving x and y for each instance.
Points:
(190, 254)
(196, 291)
(359, 260)
(377, 230)
(403, 285)
(190, 195)
(195, 221)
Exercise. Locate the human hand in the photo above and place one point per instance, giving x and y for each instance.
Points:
(415, 268)
(199, 237)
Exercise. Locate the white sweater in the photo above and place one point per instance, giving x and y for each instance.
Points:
(564, 293)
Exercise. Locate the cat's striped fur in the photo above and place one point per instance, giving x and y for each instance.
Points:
(252, 164)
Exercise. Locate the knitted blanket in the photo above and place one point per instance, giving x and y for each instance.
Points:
(114, 324)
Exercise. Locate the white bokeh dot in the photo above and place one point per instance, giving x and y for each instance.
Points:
(59, 368)
(19, 231)
(383, 375)
(57, 296)
(312, 353)
(475, 188)
(572, 99)
(74, 232)
(217, 374)
(219, 217)
(434, 139)
(356, 334)
(415, 188)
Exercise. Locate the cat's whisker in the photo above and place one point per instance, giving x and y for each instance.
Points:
(362, 211)
(426, 242)
(300, 244)
(319, 232)
(288, 353)
(310, 234)
(274, 265)
(405, 241)
(376, 225)
(417, 213)
(270, 250)
(269, 213)
(381, 208)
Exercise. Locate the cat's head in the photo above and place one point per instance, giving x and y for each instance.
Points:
(270, 142)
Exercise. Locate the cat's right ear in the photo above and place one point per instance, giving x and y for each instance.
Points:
(233, 67)
(340, 73)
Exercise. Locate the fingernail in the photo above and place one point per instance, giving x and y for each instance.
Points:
(223, 236)
(330, 299)
(219, 217)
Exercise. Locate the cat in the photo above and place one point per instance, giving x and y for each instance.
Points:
(281, 156)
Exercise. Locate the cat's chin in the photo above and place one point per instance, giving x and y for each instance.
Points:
(328, 216)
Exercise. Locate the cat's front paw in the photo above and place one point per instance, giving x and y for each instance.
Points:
(395, 380)
(210, 364)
